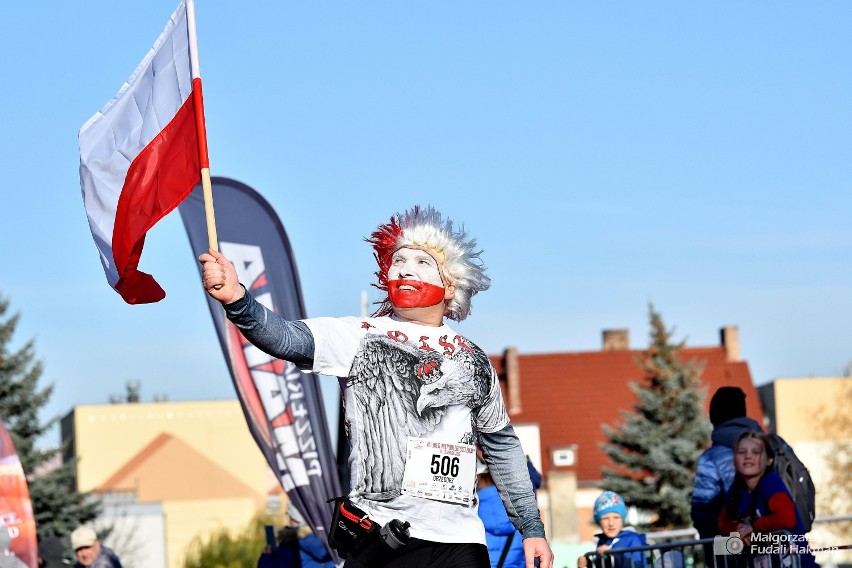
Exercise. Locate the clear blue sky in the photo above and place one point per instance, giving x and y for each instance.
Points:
(606, 155)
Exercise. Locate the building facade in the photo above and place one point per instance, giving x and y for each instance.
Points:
(568, 396)
(168, 472)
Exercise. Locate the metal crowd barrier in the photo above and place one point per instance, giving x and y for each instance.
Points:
(718, 552)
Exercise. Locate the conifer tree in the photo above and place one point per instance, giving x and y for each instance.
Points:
(58, 508)
(656, 447)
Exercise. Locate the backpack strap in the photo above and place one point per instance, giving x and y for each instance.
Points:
(506, 548)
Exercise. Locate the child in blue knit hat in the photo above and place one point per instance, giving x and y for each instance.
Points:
(610, 513)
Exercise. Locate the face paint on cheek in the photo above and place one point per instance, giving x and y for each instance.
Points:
(424, 294)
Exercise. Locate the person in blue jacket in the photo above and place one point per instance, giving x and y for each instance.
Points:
(311, 551)
(502, 538)
(285, 553)
(610, 513)
(298, 547)
(714, 472)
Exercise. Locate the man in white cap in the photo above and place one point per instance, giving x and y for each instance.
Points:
(418, 395)
(90, 552)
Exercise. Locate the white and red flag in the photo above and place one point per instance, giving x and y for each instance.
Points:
(142, 153)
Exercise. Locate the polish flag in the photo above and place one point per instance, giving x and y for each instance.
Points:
(142, 153)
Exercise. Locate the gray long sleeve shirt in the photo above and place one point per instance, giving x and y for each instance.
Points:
(293, 341)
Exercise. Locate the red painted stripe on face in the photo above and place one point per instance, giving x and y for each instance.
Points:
(423, 296)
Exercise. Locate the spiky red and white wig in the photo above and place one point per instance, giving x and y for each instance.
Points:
(457, 254)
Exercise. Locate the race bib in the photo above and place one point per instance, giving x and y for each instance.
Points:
(440, 471)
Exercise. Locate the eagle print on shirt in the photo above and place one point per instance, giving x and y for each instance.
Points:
(402, 389)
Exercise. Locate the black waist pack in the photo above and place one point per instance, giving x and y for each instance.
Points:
(350, 527)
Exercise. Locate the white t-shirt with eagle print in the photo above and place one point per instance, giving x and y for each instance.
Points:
(401, 381)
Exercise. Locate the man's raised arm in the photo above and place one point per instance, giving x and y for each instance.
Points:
(268, 331)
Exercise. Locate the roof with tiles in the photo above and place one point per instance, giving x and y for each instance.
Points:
(151, 475)
(570, 395)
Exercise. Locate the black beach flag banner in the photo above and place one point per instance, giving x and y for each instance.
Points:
(282, 405)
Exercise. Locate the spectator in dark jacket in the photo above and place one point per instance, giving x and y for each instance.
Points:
(285, 553)
(51, 553)
(714, 473)
(90, 552)
(297, 546)
(535, 475)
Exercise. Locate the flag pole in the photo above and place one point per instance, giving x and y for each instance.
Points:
(200, 127)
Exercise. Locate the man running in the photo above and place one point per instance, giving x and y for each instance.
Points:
(418, 396)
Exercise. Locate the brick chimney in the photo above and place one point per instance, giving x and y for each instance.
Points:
(513, 379)
(731, 342)
(616, 340)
